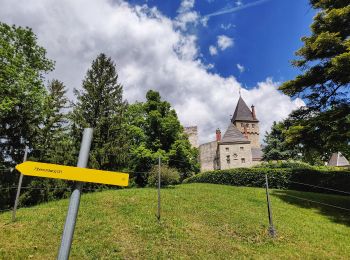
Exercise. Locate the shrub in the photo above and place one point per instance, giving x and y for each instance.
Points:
(291, 164)
(281, 178)
(168, 176)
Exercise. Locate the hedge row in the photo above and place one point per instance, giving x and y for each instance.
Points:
(278, 178)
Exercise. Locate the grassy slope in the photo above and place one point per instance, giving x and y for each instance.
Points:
(201, 221)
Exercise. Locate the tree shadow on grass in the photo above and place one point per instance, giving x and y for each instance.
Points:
(326, 204)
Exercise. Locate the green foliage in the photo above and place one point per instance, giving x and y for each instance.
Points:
(100, 105)
(168, 176)
(53, 143)
(281, 178)
(276, 146)
(324, 126)
(318, 135)
(23, 64)
(183, 157)
(251, 177)
(23, 100)
(154, 130)
(289, 164)
(324, 58)
(39, 190)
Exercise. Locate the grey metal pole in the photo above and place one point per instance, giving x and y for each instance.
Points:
(19, 187)
(159, 162)
(73, 208)
(272, 230)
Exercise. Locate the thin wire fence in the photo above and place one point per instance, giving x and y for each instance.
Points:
(169, 160)
(318, 202)
(320, 187)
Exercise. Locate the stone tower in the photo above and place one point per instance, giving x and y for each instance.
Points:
(246, 122)
(192, 134)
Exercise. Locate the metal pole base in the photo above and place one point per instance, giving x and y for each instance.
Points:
(272, 232)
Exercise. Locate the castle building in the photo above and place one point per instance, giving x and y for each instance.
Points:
(192, 134)
(238, 147)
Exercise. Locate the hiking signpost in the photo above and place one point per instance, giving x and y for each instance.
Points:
(79, 173)
(56, 171)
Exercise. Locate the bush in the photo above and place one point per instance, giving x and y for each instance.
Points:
(252, 177)
(280, 178)
(291, 164)
(168, 176)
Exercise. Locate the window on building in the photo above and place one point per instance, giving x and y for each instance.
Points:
(241, 148)
(228, 159)
(227, 149)
(234, 155)
(253, 125)
(243, 160)
(242, 124)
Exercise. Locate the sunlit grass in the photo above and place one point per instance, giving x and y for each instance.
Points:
(201, 221)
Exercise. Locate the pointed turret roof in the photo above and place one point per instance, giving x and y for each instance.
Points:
(233, 135)
(337, 159)
(242, 112)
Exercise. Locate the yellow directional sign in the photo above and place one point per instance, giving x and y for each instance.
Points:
(56, 171)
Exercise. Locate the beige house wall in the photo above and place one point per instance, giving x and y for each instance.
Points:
(207, 154)
(253, 132)
(235, 153)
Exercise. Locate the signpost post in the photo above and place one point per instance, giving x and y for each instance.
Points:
(71, 218)
(272, 230)
(158, 215)
(19, 187)
(75, 174)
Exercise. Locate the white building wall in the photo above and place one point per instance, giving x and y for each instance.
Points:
(235, 155)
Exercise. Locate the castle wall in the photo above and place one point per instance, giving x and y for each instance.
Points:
(207, 154)
(192, 134)
(235, 155)
(252, 131)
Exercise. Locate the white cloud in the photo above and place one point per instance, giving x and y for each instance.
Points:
(226, 26)
(213, 50)
(186, 15)
(239, 3)
(149, 53)
(224, 42)
(240, 67)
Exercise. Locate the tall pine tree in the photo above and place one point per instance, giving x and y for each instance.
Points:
(323, 126)
(100, 105)
(52, 141)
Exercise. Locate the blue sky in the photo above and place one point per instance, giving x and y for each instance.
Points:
(265, 36)
(197, 63)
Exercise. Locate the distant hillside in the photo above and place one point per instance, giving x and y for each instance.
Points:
(201, 221)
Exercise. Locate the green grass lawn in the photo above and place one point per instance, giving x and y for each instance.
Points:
(199, 221)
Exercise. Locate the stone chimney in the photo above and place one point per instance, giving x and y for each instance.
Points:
(253, 112)
(218, 135)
